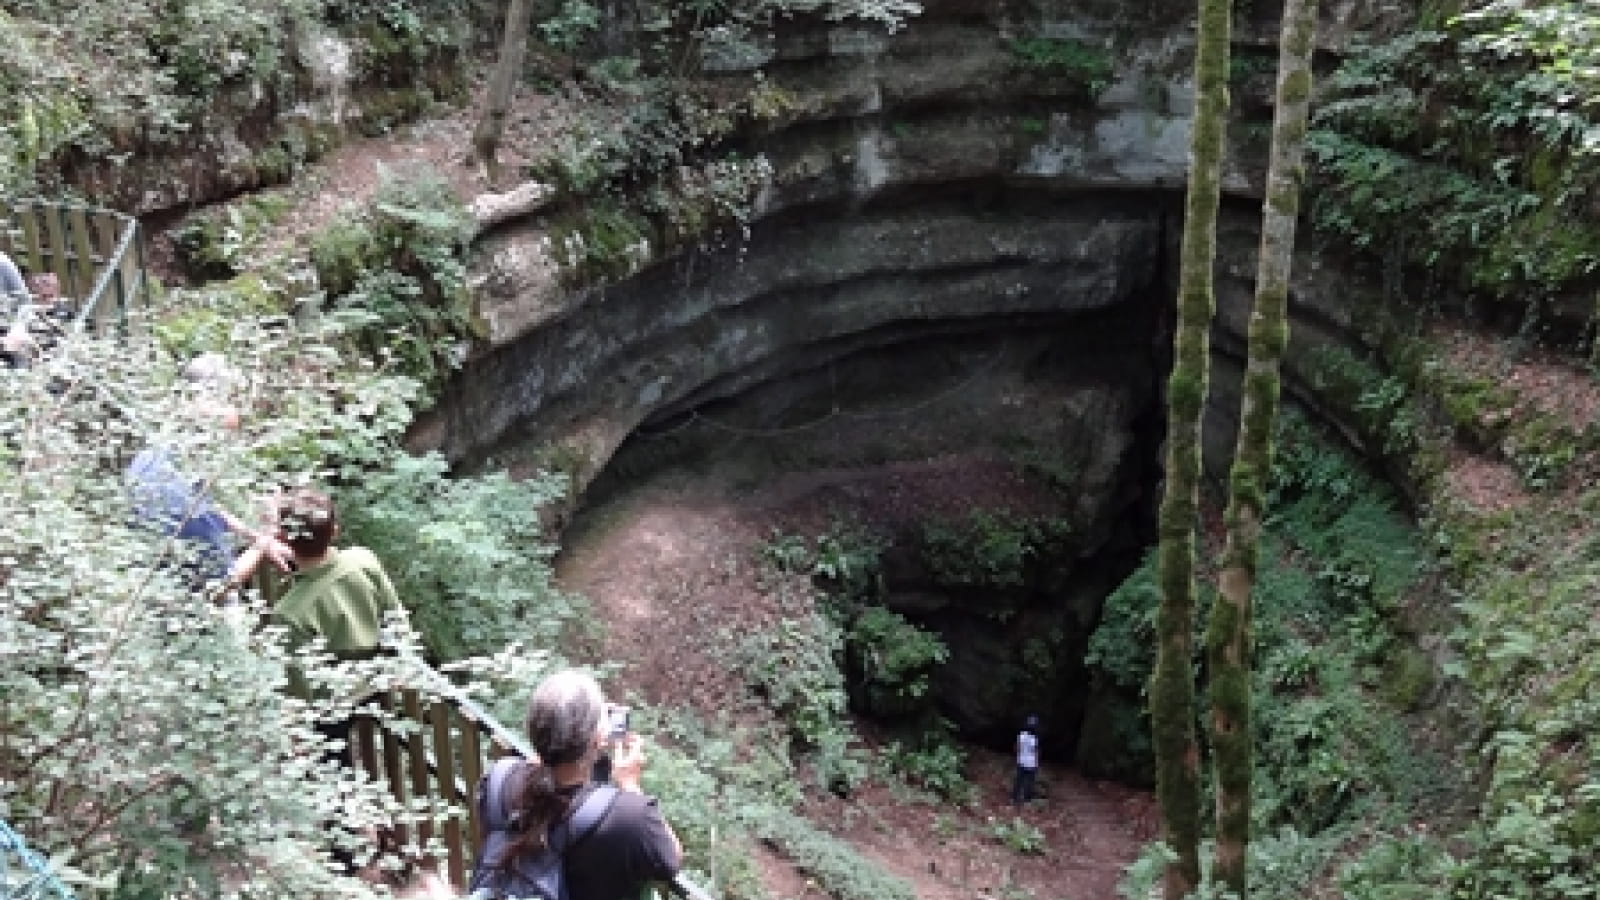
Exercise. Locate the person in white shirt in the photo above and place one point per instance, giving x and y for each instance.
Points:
(1027, 762)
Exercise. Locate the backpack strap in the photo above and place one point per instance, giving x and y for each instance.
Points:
(593, 808)
(497, 817)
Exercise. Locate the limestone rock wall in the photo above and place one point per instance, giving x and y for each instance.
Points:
(916, 177)
(926, 185)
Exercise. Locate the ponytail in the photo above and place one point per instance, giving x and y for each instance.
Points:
(562, 724)
(536, 806)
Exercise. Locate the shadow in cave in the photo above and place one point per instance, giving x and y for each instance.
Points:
(1050, 427)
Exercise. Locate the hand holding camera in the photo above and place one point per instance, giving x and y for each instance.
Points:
(626, 750)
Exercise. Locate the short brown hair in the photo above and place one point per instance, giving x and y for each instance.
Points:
(307, 521)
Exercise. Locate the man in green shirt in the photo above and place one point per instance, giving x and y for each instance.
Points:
(339, 595)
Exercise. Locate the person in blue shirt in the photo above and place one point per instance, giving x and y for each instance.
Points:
(172, 501)
(175, 504)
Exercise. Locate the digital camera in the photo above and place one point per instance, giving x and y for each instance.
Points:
(617, 718)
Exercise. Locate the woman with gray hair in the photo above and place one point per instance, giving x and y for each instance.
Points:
(610, 846)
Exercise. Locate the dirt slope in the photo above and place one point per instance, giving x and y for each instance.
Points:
(675, 560)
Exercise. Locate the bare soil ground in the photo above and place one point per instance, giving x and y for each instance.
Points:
(1539, 380)
(440, 143)
(675, 563)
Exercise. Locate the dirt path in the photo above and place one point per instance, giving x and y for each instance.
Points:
(676, 560)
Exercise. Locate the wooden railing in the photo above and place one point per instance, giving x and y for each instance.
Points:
(95, 254)
(437, 758)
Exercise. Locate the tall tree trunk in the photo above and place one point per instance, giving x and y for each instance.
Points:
(1172, 709)
(502, 86)
(1229, 636)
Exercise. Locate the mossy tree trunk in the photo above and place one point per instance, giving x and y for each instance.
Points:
(1229, 635)
(1172, 690)
(502, 86)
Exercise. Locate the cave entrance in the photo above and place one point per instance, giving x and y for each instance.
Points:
(1004, 471)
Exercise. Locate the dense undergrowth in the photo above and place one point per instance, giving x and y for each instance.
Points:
(1475, 192)
(98, 79)
(146, 742)
(1479, 185)
(1342, 693)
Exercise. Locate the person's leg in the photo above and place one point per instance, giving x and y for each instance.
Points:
(1017, 786)
(1027, 777)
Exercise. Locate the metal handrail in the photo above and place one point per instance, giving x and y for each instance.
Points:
(130, 231)
(42, 881)
(89, 248)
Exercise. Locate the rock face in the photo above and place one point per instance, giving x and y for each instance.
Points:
(924, 184)
(250, 136)
(919, 179)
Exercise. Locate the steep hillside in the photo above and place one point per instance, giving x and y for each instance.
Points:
(844, 326)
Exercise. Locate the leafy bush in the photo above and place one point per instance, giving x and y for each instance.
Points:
(467, 555)
(1122, 649)
(1018, 836)
(216, 243)
(934, 760)
(795, 667)
(1083, 64)
(896, 658)
(845, 560)
(985, 549)
(397, 272)
(836, 868)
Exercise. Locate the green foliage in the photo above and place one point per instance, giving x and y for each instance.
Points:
(1018, 836)
(1478, 177)
(574, 21)
(837, 868)
(737, 34)
(656, 175)
(1337, 562)
(845, 560)
(467, 555)
(1122, 649)
(605, 240)
(207, 321)
(146, 742)
(38, 100)
(1529, 646)
(795, 667)
(106, 77)
(697, 773)
(396, 272)
(986, 549)
(216, 244)
(934, 761)
(897, 658)
(1087, 66)
(1382, 405)
(1412, 866)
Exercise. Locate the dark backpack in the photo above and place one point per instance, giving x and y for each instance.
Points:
(533, 875)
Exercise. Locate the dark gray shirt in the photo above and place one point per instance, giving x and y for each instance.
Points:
(630, 848)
